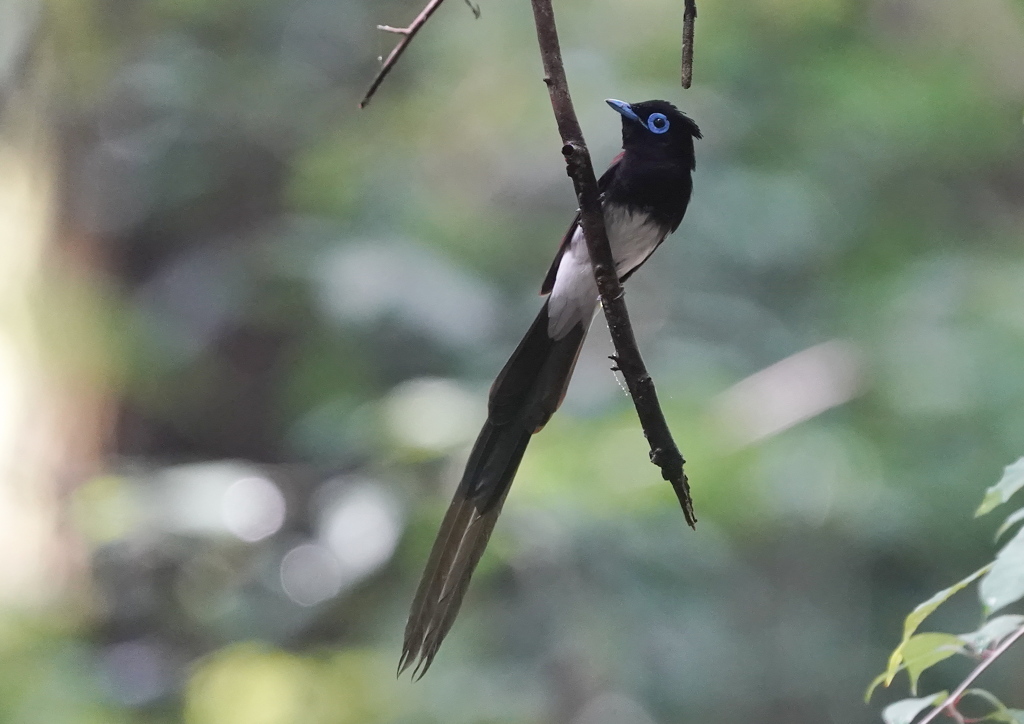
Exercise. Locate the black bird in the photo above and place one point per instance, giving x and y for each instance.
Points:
(645, 192)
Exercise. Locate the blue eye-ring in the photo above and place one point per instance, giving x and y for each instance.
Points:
(657, 123)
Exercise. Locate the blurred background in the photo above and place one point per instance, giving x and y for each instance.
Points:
(246, 334)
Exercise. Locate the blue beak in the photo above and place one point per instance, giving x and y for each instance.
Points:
(623, 108)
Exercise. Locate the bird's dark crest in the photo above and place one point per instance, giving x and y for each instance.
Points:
(646, 108)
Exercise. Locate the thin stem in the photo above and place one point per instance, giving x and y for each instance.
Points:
(664, 452)
(689, 18)
(407, 35)
(950, 703)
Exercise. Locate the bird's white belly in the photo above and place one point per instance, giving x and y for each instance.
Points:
(574, 295)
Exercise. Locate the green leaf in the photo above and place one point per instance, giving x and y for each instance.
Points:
(993, 633)
(1001, 713)
(1004, 584)
(1010, 716)
(925, 650)
(875, 683)
(1010, 483)
(919, 614)
(1014, 517)
(906, 710)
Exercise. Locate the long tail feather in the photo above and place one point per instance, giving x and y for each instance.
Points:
(524, 396)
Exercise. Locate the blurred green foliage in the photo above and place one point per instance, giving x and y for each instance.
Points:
(299, 293)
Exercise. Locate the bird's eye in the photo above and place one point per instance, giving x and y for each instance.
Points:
(657, 123)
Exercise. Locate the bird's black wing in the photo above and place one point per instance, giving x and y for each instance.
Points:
(602, 185)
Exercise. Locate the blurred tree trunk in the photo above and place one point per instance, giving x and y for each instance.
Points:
(50, 411)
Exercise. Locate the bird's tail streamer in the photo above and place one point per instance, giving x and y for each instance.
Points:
(524, 396)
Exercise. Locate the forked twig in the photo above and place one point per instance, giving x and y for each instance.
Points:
(664, 452)
(407, 34)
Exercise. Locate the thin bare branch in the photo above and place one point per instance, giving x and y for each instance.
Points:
(689, 18)
(664, 452)
(407, 35)
(949, 705)
(391, 29)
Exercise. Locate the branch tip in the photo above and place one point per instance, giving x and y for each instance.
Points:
(689, 19)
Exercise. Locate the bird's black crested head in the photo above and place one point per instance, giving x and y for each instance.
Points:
(656, 126)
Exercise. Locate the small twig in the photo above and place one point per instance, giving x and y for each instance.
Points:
(949, 705)
(474, 8)
(689, 17)
(664, 452)
(407, 35)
